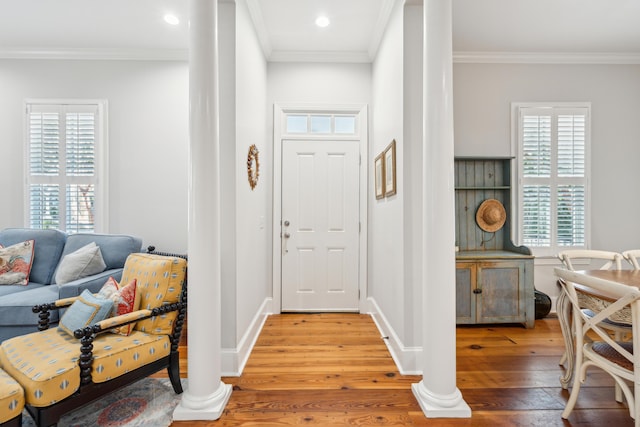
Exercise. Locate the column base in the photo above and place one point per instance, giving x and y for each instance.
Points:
(199, 408)
(434, 406)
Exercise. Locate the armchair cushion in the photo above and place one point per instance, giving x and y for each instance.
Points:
(11, 398)
(160, 281)
(86, 310)
(46, 363)
(42, 363)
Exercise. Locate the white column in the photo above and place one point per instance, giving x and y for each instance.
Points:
(206, 395)
(437, 392)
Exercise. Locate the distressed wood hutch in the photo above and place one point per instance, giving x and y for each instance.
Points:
(494, 278)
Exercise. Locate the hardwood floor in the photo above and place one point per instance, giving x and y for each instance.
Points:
(334, 369)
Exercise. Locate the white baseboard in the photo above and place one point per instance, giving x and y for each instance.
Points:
(234, 359)
(407, 359)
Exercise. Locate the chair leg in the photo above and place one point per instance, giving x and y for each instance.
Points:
(174, 372)
(618, 392)
(578, 379)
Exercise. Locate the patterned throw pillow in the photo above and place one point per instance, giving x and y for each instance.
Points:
(126, 299)
(15, 263)
(86, 310)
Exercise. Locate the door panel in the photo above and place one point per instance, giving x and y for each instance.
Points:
(320, 253)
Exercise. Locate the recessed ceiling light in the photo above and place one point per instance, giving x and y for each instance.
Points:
(322, 21)
(171, 19)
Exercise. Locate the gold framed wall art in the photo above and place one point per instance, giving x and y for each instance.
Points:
(390, 169)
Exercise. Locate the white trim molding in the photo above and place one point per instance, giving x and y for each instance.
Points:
(407, 359)
(317, 56)
(95, 54)
(279, 133)
(463, 57)
(233, 360)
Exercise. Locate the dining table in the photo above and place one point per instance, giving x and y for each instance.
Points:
(594, 300)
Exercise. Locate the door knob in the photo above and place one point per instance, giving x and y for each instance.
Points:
(287, 235)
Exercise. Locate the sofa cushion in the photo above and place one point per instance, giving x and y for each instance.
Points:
(46, 252)
(86, 310)
(83, 262)
(46, 363)
(15, 263)
(114, 247)
(160, 280)
(15, 308)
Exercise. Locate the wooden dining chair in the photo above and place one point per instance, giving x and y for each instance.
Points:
(621, 360)
(604, 260)
(632, 256)
(592, 260)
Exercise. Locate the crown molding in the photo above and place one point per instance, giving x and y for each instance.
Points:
(461, 57)
(380, 27)
(255, 11)
(545, 57)
(328, 56)
(95, 54)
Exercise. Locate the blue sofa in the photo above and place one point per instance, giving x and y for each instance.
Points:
(50, 247)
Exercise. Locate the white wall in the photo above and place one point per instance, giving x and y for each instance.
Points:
(395, 223)
(318, 83)
(148, 138)
(386, 245)
(253, 207)
(482, 97)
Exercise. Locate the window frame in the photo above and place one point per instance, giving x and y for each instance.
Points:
(555, 108)
(101, 165)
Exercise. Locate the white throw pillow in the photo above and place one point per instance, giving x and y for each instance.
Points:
(82, 263)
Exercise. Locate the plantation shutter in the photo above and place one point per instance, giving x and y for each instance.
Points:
(536, 194)
(553, 177)
(62, 158)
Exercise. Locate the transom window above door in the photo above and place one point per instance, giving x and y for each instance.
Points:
(321, 124)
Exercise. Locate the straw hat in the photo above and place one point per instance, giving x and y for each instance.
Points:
(491, 215)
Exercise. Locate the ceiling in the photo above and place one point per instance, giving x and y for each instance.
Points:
(481, 28)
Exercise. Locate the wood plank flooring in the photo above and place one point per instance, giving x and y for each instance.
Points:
(335, 370)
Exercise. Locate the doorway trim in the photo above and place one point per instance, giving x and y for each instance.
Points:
(279, 133)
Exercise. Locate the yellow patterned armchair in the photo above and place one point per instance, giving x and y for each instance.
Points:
(60, 372)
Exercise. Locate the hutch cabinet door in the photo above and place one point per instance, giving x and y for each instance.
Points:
(465, 298)
(502, 297)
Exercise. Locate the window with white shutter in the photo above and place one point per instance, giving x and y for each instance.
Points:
(552, 165)
(66, 163)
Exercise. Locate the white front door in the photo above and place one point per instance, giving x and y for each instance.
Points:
(320, 225)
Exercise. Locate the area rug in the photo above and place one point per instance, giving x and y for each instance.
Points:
(147, 403)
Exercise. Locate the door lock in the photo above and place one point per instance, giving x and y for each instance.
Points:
(286, 223)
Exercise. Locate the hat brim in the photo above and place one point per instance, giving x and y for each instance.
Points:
(491, 204)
